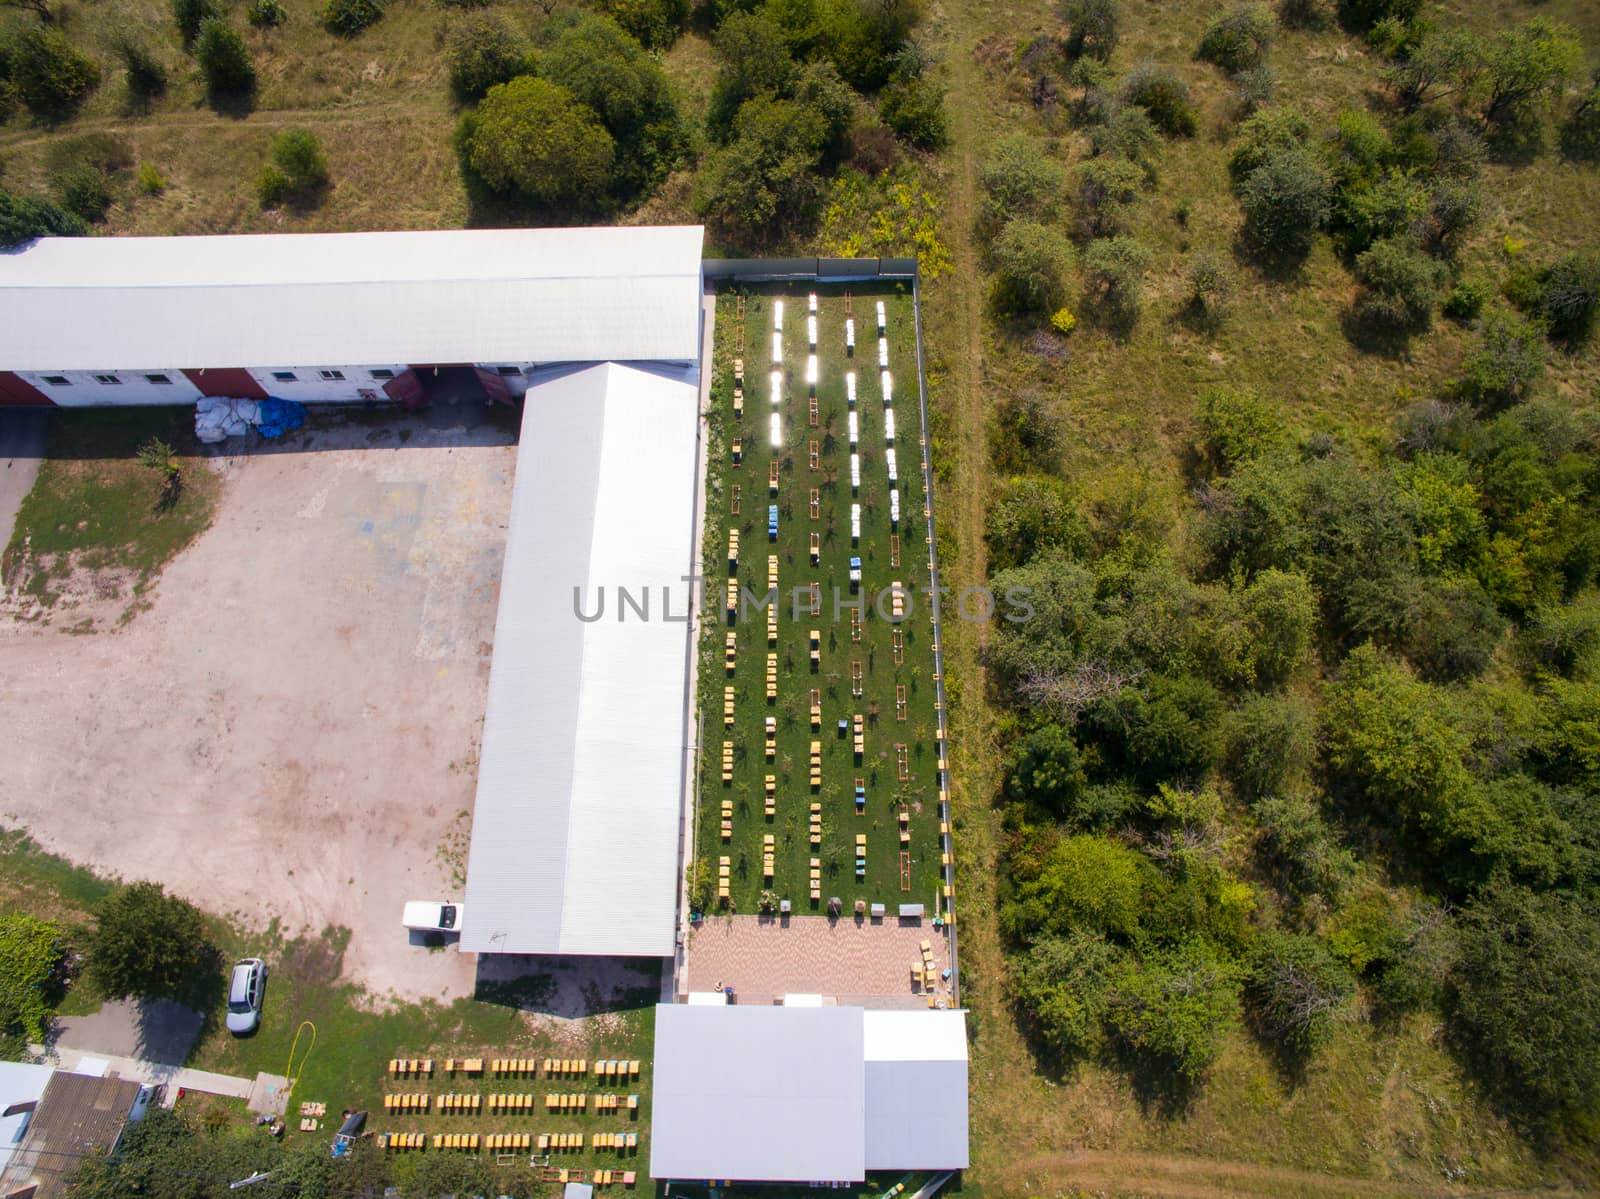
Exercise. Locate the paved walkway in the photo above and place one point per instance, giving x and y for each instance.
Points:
(23, 434)
(857, 962)
(264, 1093)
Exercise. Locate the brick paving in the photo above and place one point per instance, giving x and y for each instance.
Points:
(852, 961)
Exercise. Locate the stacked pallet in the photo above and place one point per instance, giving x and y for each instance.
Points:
(730, 650)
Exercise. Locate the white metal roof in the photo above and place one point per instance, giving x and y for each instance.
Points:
(916, 1096)
(581, 774)
(20, 1082)
(758, 1093)
(796, 1093)
(335, 299)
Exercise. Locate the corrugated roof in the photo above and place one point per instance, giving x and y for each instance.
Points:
(21, 1083)
(77, 1115)
(758, 1093)
(581, 774)
(334, 299)
(916, 1097)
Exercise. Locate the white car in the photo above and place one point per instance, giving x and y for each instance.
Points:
(247, 987)
(432, 916)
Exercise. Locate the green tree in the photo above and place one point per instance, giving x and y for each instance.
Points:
(765, 181)
(1402, 285)
(1580, 132)
(1034, 516)
(224, 59)
(31, 955)
(914, 109)
(1045, 770)
(23, 218)
(1104, 191)
(146, 73)
(1086, 883)
(1300, 849)
(1271, 744)
(1031, 261)
(1128, 132)
(148, 944)
(1281, 615)
(1164, 96)
(1209, 286)
(1063, 983)
(1263, 134)
(1235, 427)
(821, 88)
(51, 75)
(1524, 1001)
(1113, 271)
(532, 139)
(189, 15)
(347, 18)
(1285, 200)
(1295, 988)
(83, 191)
(626, 86)
(1525, 68)
(483, 51)
(656, 24)
(753, 57)
(1025, 435)
(1569, 296)
(1239, 38)
(1174, 1009)
(1019, 179)
(1092, 27)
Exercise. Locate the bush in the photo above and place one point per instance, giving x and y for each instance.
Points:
(148, 945)
(1402, 285)
(1025, 436)
(484, 51)
(1091, 27)
(1239, 38)
(1160, 92)
(766, 179)
(914, 109)
(1113, 271)
(1045, 771)
(1128, 132)
(51, 75)
(1580, 132)
(655, 23)
(1236, 426)
(147, 74)
(1031, 261)
(1361, 15)
(190, 15)
(1507, 362)
(1263, 135)
(266, 14)
(273, 186)
(1280, 611)
(1294, 987)
(32, 952)
(1034, 516)
(1019, 179)
(529, 137)
(1254, 87)
(1087, 883)
(1466, 300)
(150, 180)
(1271, 744)
(83, 190)
(1301, 850)
(1569, 295)
(1209, 284)
(1063, 984)
(23, 218)
(1174, 1009)
(224, 59)
(297, 169)
(1105, 189)
(1285, 200)
(349, 17)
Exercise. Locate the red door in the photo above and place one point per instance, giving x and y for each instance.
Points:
(234, 383)
(16, 390)
(494, 386)
(405, 389)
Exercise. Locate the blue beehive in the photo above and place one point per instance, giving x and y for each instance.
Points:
(772, 522)
(861, 798)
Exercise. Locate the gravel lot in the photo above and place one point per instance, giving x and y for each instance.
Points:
(289, 730)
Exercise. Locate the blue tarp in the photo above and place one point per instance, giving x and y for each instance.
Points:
(280, 416)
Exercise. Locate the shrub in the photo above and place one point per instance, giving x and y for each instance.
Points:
(484, 51)
(1294, 987)
(914, 109)
(51, 75)
(1402, 284)
(23, 218)
(273, 186)
(32, 952)
(1285, 200)
(148, 944)
(655, 23)
(1063, 984)
(1271, 744)
(1035, 516)
(1236, 426)
(150, 180)
(1025, 435)
(1303, 14)
(766, 179)
(1507, 362)
(1091, 27)
(1087, 883)
(1019, 179)
(297, 169)
(147, 74)
(530, 137)
(1569, 295)
(1105, 189)
(1361, 15)
(1128, 132)
(1209, 284)
(224, 59)
(1160, 92)
(1264, 134)
(1300, 849)
(1063, 321)
(1580, 132)
(349, 17)
(82, 190)
(1239, 38)
(1113, 271)
(266, 14)
(1466, 300)
(1280, 610)
(1254, 87)
(1031, 261)
(1174, 1009)
(190, 15)
(1045, 771)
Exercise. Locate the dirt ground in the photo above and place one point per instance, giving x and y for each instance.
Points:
(289, 731)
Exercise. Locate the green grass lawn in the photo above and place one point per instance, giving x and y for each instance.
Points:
(888, 724)
(94, 506)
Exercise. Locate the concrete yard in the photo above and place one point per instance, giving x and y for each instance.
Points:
(289, 731)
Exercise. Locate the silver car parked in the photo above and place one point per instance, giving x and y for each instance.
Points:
(246, 989)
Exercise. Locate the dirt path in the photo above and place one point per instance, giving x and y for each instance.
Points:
(1181, 1177)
